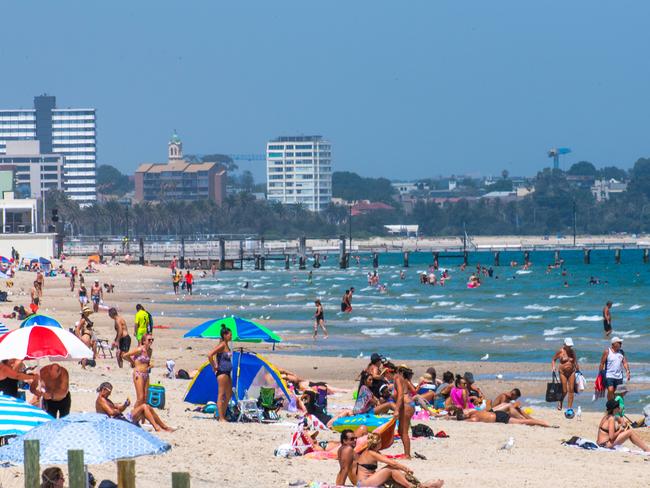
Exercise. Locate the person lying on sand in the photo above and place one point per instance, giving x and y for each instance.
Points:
(362, 469)
(509, 414)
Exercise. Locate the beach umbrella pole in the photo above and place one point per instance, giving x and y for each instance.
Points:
(76, 469)
(32, 463)
(241, 352)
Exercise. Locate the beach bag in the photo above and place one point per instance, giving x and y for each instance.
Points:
(421, 430)
(554, 390)
(581, 383)
(150, 323)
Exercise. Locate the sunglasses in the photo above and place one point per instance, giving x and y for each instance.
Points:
(351, 439)
(149, 340)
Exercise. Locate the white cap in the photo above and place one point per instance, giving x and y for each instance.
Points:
(568, 342)
(616, 339)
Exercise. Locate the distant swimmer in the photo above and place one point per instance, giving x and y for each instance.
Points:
(345, 302)
(607, 318)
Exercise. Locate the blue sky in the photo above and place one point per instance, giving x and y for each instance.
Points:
(402, 89)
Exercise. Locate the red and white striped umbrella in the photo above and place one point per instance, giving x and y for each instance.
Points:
(40, 341)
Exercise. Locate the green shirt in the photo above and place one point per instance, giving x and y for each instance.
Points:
(141, 322)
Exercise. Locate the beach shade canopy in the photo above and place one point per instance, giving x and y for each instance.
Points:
(18, 417)
(4, 260)
(243, 330)
(102, 439)
(39, 341)
(254, 372)
(40, 319)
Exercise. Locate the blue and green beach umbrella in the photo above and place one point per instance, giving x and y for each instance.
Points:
(243, 330)
(40, 319)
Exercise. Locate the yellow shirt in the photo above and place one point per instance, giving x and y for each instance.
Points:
(141, 322)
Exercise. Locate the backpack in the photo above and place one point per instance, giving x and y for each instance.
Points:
(150, 324)
(421, 430)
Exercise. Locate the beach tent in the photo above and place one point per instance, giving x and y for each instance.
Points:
(254, 372)
(93, 258)
(44, 263)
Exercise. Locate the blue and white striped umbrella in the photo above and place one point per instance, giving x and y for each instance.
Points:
(102, 439)
(3, 328)
(18, 417)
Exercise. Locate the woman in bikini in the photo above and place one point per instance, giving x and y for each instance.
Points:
(368, 473)
(220, 359)
(568, 367)
(613, 432)
(84, 331)
(140, 359)
(405, 405)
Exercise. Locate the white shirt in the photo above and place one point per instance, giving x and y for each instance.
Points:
(614, 365)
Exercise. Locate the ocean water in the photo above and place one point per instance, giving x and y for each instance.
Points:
(515, 316)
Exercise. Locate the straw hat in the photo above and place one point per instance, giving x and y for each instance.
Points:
(86, 310)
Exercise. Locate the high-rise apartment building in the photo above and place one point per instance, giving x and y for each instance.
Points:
(299, 171)
(70, 132)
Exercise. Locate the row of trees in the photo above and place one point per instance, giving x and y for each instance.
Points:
(549, 210)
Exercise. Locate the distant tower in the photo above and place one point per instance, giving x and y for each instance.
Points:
(175, 148)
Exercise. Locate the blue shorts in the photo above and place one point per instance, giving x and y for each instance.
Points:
(615, 382)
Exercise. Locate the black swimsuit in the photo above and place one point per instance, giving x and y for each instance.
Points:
(368, 467)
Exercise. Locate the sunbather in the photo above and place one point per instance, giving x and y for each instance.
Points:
(362, 469)
(507, 397)
(509, 415)
(613, 431)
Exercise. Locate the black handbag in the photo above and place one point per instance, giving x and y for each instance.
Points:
(554, 390)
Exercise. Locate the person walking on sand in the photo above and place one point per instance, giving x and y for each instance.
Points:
(607, 319)
(189, 280)
(613, 362)
(122, 340)
(96, 295)
(568, 368)
(319, 320)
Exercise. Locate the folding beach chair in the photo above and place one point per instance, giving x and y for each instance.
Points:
(269, 404)
(102, 346)
(248, 411)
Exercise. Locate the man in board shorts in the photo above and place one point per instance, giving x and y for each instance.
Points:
(122, 338)
(96, 295)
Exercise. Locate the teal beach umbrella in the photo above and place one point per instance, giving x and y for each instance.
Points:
(243, 330)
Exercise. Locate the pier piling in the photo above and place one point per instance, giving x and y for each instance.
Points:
(526, 257)
(101, 250)
(587, 256)
(342, 253)
(257, 262)
(375, 260)
(465, 258)
(436, 262)
(262, 261)
(222, 253)
(646, 255)
(286, 262)
(557, 257)
(406, 259)
(617, 256)
(182, 253)
(497, 255)
(316, 260)
(141, 252)
(302, 262)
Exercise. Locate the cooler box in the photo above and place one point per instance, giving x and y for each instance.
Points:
(156, 396)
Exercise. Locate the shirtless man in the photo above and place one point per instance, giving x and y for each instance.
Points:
(122, 340)
(34, 292)
(508, 415)
(347, 459)
(607, 319)
(103, 404)
(40, 279)
(96, 295)
(11, 372)
(53, 388)
(507, 397)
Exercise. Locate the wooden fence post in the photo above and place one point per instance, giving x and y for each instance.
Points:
(76, 471)
(180, 480)
(32, 465)
(126, 473)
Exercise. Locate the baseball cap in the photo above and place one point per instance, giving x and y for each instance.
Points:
(568, 342)
(616, 339)
(374, 357)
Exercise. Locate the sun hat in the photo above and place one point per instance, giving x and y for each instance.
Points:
(86, 310)
(568, 342)
(616, 339)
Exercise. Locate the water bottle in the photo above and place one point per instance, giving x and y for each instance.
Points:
(579, 413)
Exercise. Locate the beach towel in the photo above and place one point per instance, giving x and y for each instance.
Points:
(599, 387)
(589, 445)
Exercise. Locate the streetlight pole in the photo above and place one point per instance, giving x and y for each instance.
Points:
(350, 227)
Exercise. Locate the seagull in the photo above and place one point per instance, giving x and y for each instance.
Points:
(508, 445)
(499, 376)
(485, 358)
(360, 355)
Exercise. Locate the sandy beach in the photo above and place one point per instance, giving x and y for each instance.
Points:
(241, 455)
